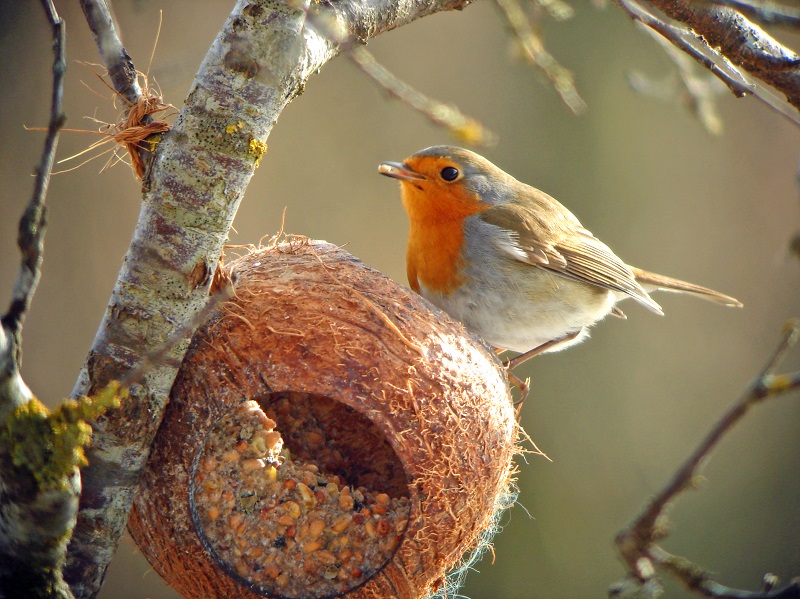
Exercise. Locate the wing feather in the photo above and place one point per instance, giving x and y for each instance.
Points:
(548, 236)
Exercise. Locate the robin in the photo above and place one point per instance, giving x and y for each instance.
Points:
(509, 261)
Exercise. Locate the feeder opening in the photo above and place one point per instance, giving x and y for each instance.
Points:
(298, 496)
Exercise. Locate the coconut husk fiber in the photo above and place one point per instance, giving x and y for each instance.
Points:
(416, 410)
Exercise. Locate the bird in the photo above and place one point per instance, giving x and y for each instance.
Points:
(510, 262)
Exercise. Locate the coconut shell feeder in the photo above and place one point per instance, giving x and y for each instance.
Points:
(329, 434)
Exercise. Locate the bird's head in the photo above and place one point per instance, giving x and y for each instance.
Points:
(446, 182)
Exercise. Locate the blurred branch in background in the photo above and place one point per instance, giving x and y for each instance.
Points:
(638, 543)
(460, 126)
(535, 52)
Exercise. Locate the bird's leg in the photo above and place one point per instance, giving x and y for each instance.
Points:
(539, 349)
(523, 386)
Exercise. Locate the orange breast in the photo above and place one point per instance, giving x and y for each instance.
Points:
(436, 237)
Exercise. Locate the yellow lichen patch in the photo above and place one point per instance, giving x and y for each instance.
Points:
(51, 444)
(234, 127)
(257, 149)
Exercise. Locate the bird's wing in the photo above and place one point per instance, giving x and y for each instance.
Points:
(547, 235)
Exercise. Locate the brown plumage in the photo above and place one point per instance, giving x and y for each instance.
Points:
(509, 261)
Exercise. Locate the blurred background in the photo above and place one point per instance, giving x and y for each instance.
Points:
(616, 414)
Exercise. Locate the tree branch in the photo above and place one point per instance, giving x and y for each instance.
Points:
(741, 42)
(35, 521)
(637, 543)
(32, 225)
(115, 58)
(742, 62)
(768, 13)
(457, 123)
(260, 60)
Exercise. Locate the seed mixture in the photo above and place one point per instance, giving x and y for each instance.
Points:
(308, 512)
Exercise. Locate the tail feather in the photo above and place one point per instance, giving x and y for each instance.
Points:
(652, 281)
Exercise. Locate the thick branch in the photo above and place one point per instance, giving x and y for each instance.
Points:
(260, 60)
(768, 13)
(742, 42)
(689, 41)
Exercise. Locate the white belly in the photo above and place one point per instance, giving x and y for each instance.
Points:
(524, 307)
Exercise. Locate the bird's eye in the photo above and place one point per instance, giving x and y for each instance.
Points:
(449, 173)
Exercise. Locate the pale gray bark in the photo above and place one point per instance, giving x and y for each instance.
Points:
(260, 60)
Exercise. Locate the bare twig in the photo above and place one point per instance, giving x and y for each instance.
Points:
(35, 522)
(113, 54)
(698, 47)
(690, 43)
(637, 544)
(768, 13)
(460, 126)
(32, 225)
(537, 55)
(33, 222)
(138, 120)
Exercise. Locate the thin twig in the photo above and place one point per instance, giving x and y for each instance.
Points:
(683, 38)
(459, 125)
(113, 54)
(33, 223)
(35, 522)
(446, 115)
(700, 581)
(740, 83)
(125, 79)
(637, 543)
(537, 55)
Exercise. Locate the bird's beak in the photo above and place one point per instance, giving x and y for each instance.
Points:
(400, 171)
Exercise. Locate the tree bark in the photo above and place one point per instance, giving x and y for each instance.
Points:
(260, 60)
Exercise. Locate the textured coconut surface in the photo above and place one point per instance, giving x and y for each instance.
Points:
(430, 421)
